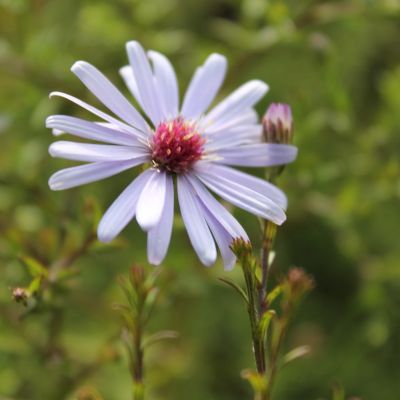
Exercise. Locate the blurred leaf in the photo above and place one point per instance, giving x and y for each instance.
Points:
(34, 286)
(159, 336)
(271, 296)
(67, 273)
(296, 353)
(236, 287)
(264, 323)
(257, 381)
(35, 267)
(338, 392)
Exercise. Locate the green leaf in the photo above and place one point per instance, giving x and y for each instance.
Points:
(130, 294)
(265, 320)
(67, 273)
(258, 382)
(236, 287)
(157, 337)
(296, 353)
(127, 315)
(151, 278)
(151, 297)
(35, 267)
(34, 286)
(338, 392)
(274, 294)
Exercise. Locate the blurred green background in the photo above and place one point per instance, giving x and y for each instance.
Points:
(338, 64)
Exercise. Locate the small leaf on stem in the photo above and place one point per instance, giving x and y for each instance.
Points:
(157, 337)
(236, 287)
(265, 320)
(296, 353)
(35, 267)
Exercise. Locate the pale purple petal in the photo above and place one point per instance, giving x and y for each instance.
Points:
(89, 130)
(240, 100)
(258, 155)
(151, 201)
(95, 152)
(127, 128)
(145, 81)
(127, 75)
(108, 94)
(204, 86)
(166, 84)
(122, 210)
(243, 196)
(56, 132)
(159, 237)
(232, 137)
(245, 118)
(82, 174)
(196, 226)
(220, 213)
(260, 186)
(223, 239)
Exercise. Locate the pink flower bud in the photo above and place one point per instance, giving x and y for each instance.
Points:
(278, 124)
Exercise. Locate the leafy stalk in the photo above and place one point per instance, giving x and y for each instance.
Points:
(141, 295)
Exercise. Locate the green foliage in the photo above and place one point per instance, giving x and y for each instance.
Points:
(338, 64)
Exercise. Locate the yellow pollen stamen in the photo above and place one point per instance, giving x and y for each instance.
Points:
(188, 136)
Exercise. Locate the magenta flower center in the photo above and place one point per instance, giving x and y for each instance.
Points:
(176, 145)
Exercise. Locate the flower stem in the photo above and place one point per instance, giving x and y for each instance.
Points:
(274, 355)
(254, 315)
(138, 369)
(269, 233)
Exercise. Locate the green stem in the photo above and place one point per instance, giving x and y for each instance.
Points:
(138, 390)
(254, 316)
(269, 233)
(274, 355)
(138, 369)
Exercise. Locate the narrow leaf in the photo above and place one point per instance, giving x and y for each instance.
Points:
(274, 294)
(265, 320)
(236, 287)
(256, 380)
(157, 337)
(338, 392)
(34, 286)
(296, 353)
(35, 267)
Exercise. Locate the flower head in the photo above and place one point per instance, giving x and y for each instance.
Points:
(176, 146)
(191, 142)
(278, 124)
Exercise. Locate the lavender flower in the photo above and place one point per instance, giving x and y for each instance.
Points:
(188, 142)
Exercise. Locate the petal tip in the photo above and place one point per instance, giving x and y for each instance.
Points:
(78, 65)
(280, 220)
(209, 258)
(153, 260)
(53, 184)
(230, 266)
(146, 223)
(53, 149)
(133, 44)
(103, 235)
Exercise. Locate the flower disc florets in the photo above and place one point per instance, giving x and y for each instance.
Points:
(176, 145)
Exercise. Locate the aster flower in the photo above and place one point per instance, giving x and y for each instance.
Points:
(190, 143)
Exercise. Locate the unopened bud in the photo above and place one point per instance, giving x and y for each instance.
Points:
(299, 281)
(138, 276)
(20, 295)
(278, 124)
(241, 248)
